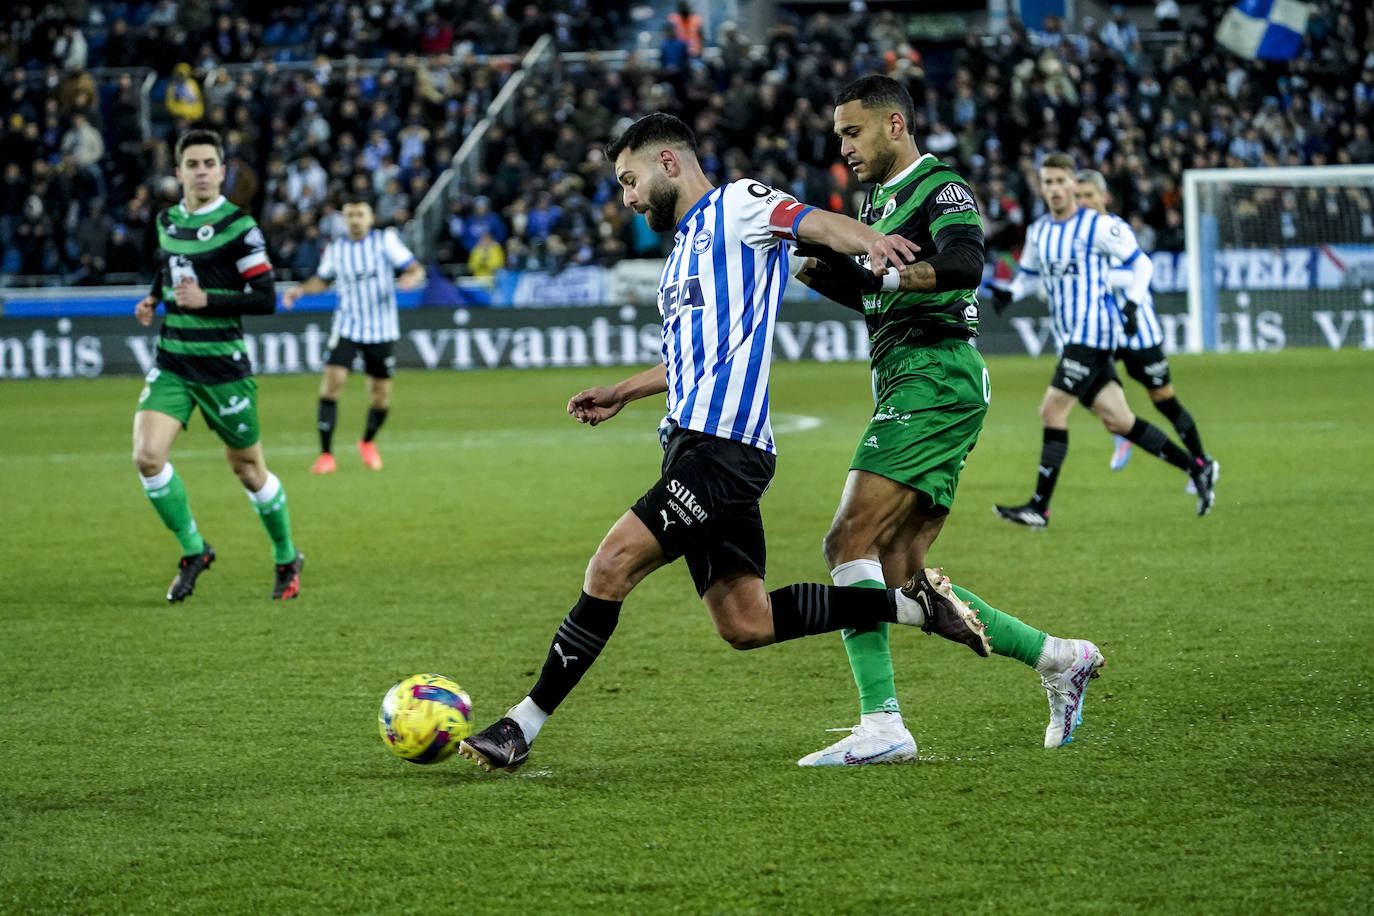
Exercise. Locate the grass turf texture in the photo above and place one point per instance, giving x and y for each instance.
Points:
(222, 755)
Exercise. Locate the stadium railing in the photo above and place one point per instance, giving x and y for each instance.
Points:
(422, 232)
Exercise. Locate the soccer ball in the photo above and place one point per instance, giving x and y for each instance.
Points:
(424, 717)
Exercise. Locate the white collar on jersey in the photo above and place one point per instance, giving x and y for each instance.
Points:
(905, 172)
(203, 210)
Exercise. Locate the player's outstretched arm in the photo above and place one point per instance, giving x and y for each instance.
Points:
(849, 236)
(597, 405)
(316, 284)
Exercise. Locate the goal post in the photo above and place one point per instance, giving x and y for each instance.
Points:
(1279, 257)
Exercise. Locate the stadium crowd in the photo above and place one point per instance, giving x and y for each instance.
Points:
(376, 97)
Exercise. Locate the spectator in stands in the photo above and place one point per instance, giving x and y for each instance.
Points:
(1104, 102)
(183, 97)
(390, 202)
(687, 27)
(86, 147)
(240, 180)
(306, 178)
(482, 221)
(164, 14)
(34, 238)
(121, 46)
(92, 235)
(437, 36)
(544, 218)
(486, 257)
(1167, 15)
(1120, 34)
(499, 35)
(1144, 233)
(71, 50)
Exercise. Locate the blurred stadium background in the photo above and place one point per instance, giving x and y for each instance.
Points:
(478, 128)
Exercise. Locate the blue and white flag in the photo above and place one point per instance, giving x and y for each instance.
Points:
(1264, 29)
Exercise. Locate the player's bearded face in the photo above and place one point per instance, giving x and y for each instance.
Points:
(662, 205)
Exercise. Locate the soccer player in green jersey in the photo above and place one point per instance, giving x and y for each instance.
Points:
(211, 270)
(931, 391)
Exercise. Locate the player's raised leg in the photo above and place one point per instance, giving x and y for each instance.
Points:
(1111, 407)
(1166, 403)
(154, 433)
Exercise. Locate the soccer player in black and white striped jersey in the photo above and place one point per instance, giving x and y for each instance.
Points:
(363, 263)
(1142, 352)
(1069, 256)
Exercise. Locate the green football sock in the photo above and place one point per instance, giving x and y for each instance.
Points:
(270, 502)
(168, 495)
(870, 657)
(1008, 635)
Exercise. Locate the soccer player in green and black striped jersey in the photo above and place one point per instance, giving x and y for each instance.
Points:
(211, 270)
(931, 392)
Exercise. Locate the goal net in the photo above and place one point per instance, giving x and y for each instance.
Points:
(1279, 257)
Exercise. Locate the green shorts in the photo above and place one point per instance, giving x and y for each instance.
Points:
(230, 408)
(931, 402)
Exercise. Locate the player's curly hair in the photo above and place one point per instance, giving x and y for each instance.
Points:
(654, 128)
(879, 92)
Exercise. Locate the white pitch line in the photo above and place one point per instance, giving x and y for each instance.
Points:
(426, 441)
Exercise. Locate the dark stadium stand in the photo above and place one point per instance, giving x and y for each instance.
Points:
(336, 95)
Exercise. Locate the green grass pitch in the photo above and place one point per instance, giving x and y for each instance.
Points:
(222, 755)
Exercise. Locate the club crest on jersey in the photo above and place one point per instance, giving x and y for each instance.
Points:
(205, 233)
(955, 198)
(702, 241)
(888, 209)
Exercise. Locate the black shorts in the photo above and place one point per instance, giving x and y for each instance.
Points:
(1149, 367)
(377, 357)
(1083, 372)
(705, 507)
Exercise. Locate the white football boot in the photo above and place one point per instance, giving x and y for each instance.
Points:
(865, 745)
(1065, 669)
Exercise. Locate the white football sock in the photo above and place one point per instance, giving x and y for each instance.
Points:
(883, 722)
(529, 717)
(864, 570)
(909, 610)
(1050, 660)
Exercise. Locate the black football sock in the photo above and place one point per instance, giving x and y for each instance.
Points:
(327, 414)
(1183, 425)
(376, 416)
(579, 640)
(1054, 449)
(809, 607)
(1152, 439)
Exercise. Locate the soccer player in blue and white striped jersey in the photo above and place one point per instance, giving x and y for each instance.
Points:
(1068, 256)
(362, 264)
(1142, 352)
(719, 295)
